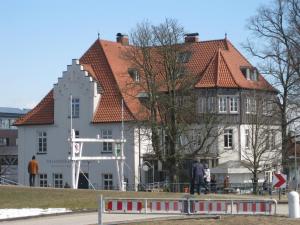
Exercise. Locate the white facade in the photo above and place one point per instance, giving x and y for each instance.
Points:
(53, 161)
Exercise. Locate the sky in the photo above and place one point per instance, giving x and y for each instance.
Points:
(38, 39)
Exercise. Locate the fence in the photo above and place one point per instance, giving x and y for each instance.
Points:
(184, 206)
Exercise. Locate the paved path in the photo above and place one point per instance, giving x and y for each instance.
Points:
(92, 218)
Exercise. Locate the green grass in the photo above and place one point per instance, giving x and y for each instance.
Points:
(25, 197)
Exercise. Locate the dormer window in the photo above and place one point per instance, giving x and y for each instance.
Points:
(249, 73)
(183, 57)
(134, 73)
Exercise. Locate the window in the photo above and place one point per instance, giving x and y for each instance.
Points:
(249, 73)
(183, 57)
(247, 138)
(76, 133)
(267, 107)
(42, 142)
(134, 73)
(11, 122)
(4, 141)
(250, 105)
(228, 138)
(118, 148)
(43, 180)
(267, 140)
(4, 123)
(273, 139)
(107, 181)
(233, 104)
(211, 104)
(75, 107)
(222, 104)
(107, 146)
(58, 180)
(201, 105)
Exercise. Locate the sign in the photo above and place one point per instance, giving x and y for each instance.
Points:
(279, 180)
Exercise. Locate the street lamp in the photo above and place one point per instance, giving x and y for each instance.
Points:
(145, 166)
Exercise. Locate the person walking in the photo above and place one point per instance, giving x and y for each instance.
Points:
(197, 177)
(33, 169)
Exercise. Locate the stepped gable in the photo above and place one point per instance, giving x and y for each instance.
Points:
(43, 113)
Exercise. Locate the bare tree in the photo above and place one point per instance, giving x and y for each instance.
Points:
(275, 41)
(262, 146)
(166, 89)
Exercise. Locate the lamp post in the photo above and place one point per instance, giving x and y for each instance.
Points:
(146, 165)
(296, 170)
(295, 156)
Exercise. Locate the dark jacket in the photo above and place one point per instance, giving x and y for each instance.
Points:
(197, 172)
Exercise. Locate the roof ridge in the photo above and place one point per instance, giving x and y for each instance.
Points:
(218, 66)
(228, 67)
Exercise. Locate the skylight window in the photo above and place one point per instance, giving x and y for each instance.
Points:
(134, 73)
(249, 73)
(183, 57)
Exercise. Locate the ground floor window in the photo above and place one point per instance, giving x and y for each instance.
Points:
(58, 180)
(107, 181)
(43, 180)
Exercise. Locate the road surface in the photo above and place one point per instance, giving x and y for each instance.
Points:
(92, 218)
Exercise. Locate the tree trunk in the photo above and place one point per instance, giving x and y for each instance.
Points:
(255, 182)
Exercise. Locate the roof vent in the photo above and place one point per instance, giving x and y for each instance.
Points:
(191, 37)
(122, 39)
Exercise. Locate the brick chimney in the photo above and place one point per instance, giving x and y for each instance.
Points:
(191, 37)
(122, 39)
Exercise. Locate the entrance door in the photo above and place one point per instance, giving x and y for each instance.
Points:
(83, 182)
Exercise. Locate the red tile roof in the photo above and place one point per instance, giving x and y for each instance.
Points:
(43, 113)
(217, 63)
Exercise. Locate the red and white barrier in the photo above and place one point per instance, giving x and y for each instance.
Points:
(124, 205)
(184, 206)
(166, 205)
(254, 207)
(210, 207)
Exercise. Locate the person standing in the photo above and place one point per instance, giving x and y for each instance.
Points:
(33, 169)
(197, 177)
(206, 178)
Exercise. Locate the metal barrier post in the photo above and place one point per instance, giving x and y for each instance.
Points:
(146, 206)
(100, 210)
(231, 207)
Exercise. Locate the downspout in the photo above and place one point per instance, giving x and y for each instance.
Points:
(140, 169)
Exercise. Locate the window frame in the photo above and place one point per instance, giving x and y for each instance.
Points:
(222, 104)
(42, 142)
(59, 181)
(233, 104)
(107, 182)
(107, 147)
(247, 138)
(75, 107)
(228, 138)
(43, 179)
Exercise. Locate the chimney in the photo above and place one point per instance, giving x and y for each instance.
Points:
(191, 37)
(122, 39)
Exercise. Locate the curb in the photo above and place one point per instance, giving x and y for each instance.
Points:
(48, 215)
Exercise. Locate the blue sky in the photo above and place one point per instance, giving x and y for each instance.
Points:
(40, 38)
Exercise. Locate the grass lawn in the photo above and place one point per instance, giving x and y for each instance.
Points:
(26, 197)
(228, 220)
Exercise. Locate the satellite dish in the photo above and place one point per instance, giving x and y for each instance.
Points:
(145, 168)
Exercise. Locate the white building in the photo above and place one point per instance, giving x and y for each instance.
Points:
(96, 83)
